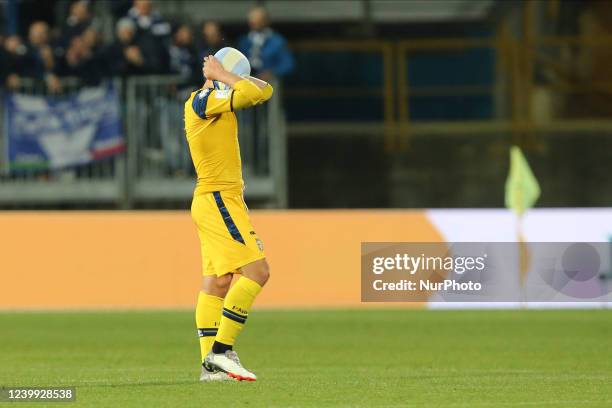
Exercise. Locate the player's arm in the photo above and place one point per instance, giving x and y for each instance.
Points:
(265, 87)
(250, 92)
(246, 92)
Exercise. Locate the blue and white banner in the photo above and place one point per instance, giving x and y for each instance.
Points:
(58, 132)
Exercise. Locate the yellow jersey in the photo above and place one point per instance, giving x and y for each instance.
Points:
(212, 133)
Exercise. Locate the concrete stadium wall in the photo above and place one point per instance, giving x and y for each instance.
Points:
(90, 260)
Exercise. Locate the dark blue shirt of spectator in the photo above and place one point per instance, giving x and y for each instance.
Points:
(183, 60)
(151, 28)
(79, 19)
(266, 49)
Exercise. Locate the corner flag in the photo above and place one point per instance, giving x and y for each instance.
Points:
(522, 188)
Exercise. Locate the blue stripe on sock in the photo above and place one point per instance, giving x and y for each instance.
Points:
(207, 332)
(234, 316)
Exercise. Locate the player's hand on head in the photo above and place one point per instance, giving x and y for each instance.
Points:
(212, 68)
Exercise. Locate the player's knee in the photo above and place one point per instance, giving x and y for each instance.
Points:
(264, 273)
(223, 282)
(217, 285)
(258, 271)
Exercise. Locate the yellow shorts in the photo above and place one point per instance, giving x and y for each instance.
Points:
(227, 238)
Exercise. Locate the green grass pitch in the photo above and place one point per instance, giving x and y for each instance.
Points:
(352, 358)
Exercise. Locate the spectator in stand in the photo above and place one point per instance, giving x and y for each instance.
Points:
(152, 32)
(265, 48)
(184, 62)
(183, 59)
(4, 69)
(13, 58)
(79, 19)
(212, 39)
(40, 57)
(83, 58)
(39, 50)
(125, 56)
(76, 53)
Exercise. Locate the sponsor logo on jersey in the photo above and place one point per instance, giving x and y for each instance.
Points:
(222, 93)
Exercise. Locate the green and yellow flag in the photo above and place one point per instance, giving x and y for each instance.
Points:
(522, 188)
(522, 192)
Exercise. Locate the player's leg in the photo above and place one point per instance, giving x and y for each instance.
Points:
(214, 288)
(234, 246)
(208, 309)
(208, 317)
(238, 303)
(236, 307)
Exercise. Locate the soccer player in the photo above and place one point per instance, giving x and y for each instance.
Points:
(229, 243)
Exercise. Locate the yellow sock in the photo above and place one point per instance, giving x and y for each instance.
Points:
(208, 317)
(236, 308)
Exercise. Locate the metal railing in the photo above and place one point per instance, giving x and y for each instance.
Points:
(158, 160)
(156, 166)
